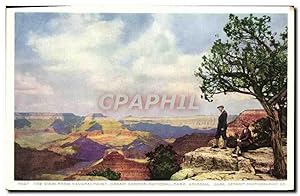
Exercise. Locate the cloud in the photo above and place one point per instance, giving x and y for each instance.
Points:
(27, 84)
(80, 43)
(156, 59)
(88, 56)
(93, 47)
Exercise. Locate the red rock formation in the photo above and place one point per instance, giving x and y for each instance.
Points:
(129, 169)
(246, 117)
(189, 143)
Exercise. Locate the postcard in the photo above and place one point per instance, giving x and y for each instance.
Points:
(159, 98)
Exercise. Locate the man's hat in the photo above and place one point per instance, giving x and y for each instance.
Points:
(220, 106)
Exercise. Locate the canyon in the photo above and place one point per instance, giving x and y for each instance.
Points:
(78, 145)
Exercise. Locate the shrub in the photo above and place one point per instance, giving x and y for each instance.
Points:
(162, 163)
(262, 133)
(107, 173)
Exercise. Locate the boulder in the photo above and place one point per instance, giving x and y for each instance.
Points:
(216, 164)
(245, 165)
(262, 159)
(183, 174)
(231, 176)
(210, 159)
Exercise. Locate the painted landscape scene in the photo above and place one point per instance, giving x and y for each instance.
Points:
(140, 96)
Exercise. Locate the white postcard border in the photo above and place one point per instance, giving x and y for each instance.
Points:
(186, 185)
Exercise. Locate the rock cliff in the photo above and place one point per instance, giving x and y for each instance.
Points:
(191, 142)
(246, 117)
(30, 163)
(215, 164)
(129, 169)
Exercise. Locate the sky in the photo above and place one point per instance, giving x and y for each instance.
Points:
(64, 62)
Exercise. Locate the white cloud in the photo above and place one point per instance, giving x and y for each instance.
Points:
(80, 44)
(93, 47)
(156, 56)
(111, 83)
(27, 84)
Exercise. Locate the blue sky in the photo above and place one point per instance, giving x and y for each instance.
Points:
(64, 62)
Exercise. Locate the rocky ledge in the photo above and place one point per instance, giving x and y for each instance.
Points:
(206, 163)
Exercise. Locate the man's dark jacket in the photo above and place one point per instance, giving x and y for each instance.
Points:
(246, 136)
(222, 121)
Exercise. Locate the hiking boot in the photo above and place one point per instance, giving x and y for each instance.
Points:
(234, 155)
(238, 151)
(225, 145)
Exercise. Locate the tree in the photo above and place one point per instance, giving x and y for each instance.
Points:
(253, 61)
(162, 163)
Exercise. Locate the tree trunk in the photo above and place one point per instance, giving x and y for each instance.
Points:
(282, 114)
(280, 167)
(280, 170)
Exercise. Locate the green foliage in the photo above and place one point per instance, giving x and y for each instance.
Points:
(162, 163)
(262, 133)
(107, 173)
(92, 122)
(253, 60)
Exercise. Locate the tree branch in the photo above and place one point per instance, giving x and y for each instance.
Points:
(277, 97)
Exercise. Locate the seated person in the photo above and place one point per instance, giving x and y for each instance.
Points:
(243, 142)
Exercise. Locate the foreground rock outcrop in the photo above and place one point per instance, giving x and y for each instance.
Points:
(215, 164)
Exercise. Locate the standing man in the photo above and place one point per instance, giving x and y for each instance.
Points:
(222, 127)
